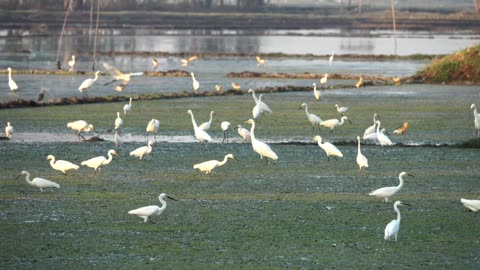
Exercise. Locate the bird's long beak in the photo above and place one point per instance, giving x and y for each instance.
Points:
(410, 175)
(349, 121)
(407, 204)
(171, 198)
(236, 159)
(18, 176)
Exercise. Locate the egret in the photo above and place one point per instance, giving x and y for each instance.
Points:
(99, 161)
(387, 192)
(244, 133)
(200, 134)
(382, 138)
(187, 61)
(8, 130)
(362, 161)
(476, 117)
(341, 110)
(195, 83)
(38, 182)
(142, 151)
(152, 210)
(392, 228)
(258, 146)
(402, 129)
(263, 107)
(359, 83)
(61, 165)
(118, 75)
(312, 118)
(371, 129)
(154, 64)
(324, 79)
(208, 166)
(152, 127)
(332, 123)
(81, 126)
(118, 121)
(117, 139)
(330, 149)
(206, 125)
(225, 125)
(260, 61)
(71, 63)
(121, 87)
(256, 112)
(330, 59)
(11, 83)
(218, 88)
(87, 84)
(127, 107)
(316, 93)
(236, 86)
(473, 205)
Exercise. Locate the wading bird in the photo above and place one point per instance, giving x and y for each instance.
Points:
(244, 133)
(260, 61)
(359, 83)
(154, 64)
(381, 137)
(81, 126)
(186, 61)
(218, 88)
(362, 161)
(206, 125)
(118, 139)
(476, 117)
(208, 166)
(387, 192)
(316, 92)
(330, 59)
(200, 134)
(152, 127)
(118, 75)
(263, 107)
(401, 130)
(142, 151)
(195, 83)
(371, 129)
(118, 121)
(260, 147)
(341, 110)
(100, 161)
(236, 86)
(473, 205)
(324, 79)
(87, 84)
(127, 107)
(152, 210)
(312, 118)
(225, 125)
(332, 123)
(330, 149)
(392, 228)
(8, 130)
(38, 182)
(62, 165)
(71, 63)
(11, 83)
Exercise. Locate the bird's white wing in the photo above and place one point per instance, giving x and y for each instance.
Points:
(144, 211)
(391, 228)
(139, 151)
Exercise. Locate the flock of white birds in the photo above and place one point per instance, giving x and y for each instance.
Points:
(373, 133)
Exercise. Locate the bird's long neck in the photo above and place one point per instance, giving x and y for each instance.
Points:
(359, 147)
(52, 162)
(130, 102)
(400, 185)
(96, 76)
(211, 118)
(27, 177)
(306, 110)
(162, 202)
(254, 97)
(110, 158)
(10, 78)
(399, 217)
(475, 112)
(223, 161)
(252, 135)
(193, 120)
(378, 127)
(342, 121)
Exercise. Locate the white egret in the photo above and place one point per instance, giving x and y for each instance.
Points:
(121, 87)
(62, 165)
(38, 182)
(208, 166)
(316, 92)
(263, 106)
(117, 139)
(200, 134)
(260, 147)
(402, 129)
(392, 228)
(99, 161)
(359, 83)
(127, 107)
(152, 210)
(312, 118)
(381, 137)
(81, 126)
(152, 127)
(341, 110)
(330, 149)
(118, 121)
(330, 59)
(236, 86)
(206, 125)
(324, 79)
(71, 63)
(256, 112)
(244, 133)
(142, 151)
(332, 123)
(118, 75)
(187, 61)
(195, 83)
(11, 83)
(362, 161)
(154, 64)
(260, 61)
(473, 205)
(225, 125)
(87, 84)
(387, 192)
(476, 117)
(371, 129)
(218, 88)
(9, 130)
